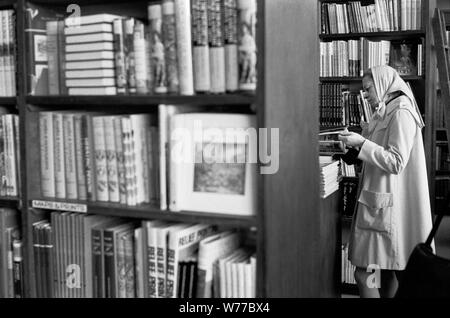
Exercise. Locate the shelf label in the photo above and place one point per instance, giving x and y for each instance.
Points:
(61, 206)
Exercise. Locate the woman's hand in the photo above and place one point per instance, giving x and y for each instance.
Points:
(364, 124)
(351, 139)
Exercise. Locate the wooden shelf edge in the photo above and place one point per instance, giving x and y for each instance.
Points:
(389, 34)
(9, 202)
(356, 79)
(349, 289)
(146, 211)
(7, 3)
(207, 99)
(8, 101)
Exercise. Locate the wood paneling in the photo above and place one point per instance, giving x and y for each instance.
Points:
(293, 229)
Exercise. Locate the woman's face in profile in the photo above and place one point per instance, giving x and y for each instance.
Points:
(370, 93)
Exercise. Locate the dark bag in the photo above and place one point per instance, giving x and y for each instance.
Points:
(426, 275)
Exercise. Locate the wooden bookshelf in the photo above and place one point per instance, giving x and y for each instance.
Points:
(143, 211)
(359, 79)
(393, 35)
(8, 101)
(350, 289)
(422, 86)
(290, 213)
(439, 137)
(143, 100)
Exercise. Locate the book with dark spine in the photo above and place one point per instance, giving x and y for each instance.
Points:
(170, 45)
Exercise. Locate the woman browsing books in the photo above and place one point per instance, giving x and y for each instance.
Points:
(393, 210)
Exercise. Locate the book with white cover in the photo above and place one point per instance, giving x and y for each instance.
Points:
(91, 19)
(46, 142)
(88, 38)
(106, 72)
(84, 47)
(92, 91)
(232, 276)
(210, 250)
(94, 55)
(165, 113)
(225, 287)
(90, 28)
(183, 244)
(88, 82)
(83, 65)
(162, 237)
(213, 163)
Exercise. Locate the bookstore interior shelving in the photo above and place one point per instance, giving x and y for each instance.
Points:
(381, 20)
(441, 164)
(293, 231)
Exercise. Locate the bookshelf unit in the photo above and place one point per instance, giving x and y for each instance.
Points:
(294, 231)
(423, 85)
(441, 173)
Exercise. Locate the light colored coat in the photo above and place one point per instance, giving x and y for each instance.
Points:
(393, 211)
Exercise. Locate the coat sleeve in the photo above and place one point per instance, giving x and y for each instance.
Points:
(394, 157)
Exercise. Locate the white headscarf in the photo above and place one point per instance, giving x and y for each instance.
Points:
(386, 81)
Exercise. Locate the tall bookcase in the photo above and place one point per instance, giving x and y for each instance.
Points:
(295, 231)
(440, 150)
(423, 85)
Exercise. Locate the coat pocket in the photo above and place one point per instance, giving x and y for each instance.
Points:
(375, 211)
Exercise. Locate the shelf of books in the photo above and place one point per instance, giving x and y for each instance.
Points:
(441, 166)
(354, 36)
(132, 150)
(136, 118)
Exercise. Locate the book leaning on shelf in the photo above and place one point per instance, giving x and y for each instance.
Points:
(83, 256)
(209, 47)
(213, 163)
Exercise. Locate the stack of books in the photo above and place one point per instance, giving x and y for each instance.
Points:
(89, 54)
(330, 175)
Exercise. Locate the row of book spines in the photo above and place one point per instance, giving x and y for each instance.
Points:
(340, 107)
(7, 53)
(99, 158)
(351, 58)
(214, 69)
(348, 269)
(9, 155)
(384, 15)
(119, 262)
(348, 170)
